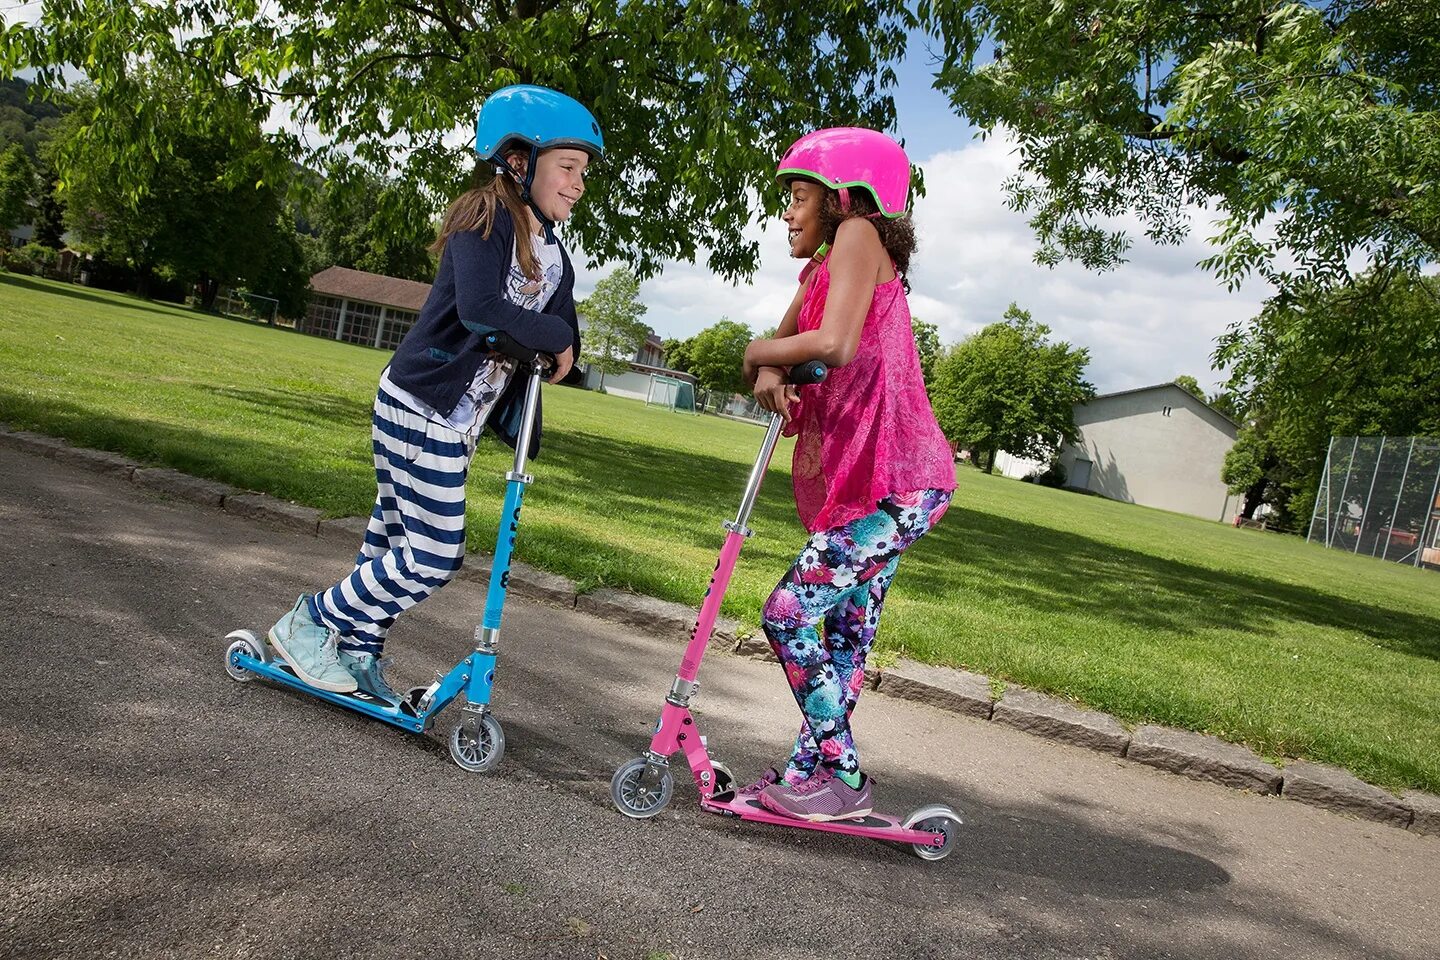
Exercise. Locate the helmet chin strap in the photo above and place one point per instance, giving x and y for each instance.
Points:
(525, 182)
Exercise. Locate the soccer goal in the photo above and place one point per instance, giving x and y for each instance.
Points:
(670, 392)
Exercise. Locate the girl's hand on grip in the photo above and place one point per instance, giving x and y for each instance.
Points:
(773, 393)
(564, 360)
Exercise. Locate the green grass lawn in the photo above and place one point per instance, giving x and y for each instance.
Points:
(1154, 617)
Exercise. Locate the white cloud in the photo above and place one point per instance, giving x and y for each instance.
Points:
(1152, 319)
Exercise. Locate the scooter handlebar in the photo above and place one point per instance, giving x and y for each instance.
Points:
(812, 371)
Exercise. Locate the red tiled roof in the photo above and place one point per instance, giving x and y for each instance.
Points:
(370, 287)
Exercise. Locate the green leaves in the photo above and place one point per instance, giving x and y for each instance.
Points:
(17, 185)
(1311, 127)
(697, 100)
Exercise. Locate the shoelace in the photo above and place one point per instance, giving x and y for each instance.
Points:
(759, 785)
(329, 653)
(815, 782)
(381, 665)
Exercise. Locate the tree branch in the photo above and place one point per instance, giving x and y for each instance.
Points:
(390, 57)
(457, 32)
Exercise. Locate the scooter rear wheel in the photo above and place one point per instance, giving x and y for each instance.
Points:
(242, 641)
(635, 799)
(934, 819)
(477, 748)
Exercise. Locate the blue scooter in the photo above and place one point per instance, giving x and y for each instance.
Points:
(477, 741)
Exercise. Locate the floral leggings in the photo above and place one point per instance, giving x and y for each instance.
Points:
(840, 579)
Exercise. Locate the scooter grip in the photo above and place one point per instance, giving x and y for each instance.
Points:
(812, 371)
(506, 344)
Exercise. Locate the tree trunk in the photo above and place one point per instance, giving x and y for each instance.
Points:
(990, 455)
(209, 291)
(1254, 496)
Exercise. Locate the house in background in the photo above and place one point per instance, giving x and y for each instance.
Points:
(1158, 446)
(365, 308)
(635, 382)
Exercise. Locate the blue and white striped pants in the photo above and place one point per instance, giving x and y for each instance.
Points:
(415, 542)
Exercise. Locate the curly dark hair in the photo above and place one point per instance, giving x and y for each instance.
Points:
(897, 235)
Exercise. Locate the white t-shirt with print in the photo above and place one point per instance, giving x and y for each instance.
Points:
(493, 376)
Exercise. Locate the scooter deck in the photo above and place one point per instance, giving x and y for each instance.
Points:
(397, 714)
(878, 826)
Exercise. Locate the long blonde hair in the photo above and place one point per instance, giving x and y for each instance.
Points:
(475, 210)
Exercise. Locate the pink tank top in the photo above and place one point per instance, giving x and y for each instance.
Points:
(868, 431)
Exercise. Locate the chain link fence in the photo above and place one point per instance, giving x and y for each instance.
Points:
(1380, 497)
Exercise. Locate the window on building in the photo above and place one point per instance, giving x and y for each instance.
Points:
(397, 324)
(322, 316)
(360, 323)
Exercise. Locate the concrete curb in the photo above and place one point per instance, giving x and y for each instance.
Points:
(1203, 757)
(164, 480)
(1336, 789)
(1426, 808)
(1050, 717)
(957, 691)
(968, 694)
(258, 506)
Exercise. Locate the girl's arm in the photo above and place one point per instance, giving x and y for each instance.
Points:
(480, 266)
(855, 262)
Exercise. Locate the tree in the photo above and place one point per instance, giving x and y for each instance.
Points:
(697, 100)
(17, 185)
(718, 357)
(1305, 382)
(369, 223)
(1311, 127)
(613, 330)
(1227, 403)
(1190, 385)
(1008, 388)
(205, 213)
(927, 344)
(679, 354)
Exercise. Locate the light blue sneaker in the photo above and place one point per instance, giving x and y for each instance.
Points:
(369, 673)
(309, 648)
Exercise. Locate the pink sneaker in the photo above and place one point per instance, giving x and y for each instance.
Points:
(823, 797)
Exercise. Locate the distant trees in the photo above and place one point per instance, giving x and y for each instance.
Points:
(1008, 388)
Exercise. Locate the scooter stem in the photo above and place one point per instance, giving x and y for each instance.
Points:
(741, 522)
(516, 480)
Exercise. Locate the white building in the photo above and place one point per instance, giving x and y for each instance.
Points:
(1158, 446)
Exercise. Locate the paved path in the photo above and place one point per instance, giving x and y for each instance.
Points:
(149, 806)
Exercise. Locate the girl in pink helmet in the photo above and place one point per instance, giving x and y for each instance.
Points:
(872, 470)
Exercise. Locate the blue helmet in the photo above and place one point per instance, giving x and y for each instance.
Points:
(537, 116)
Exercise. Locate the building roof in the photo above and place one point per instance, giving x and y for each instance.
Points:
(371, 288)
(1162, 386)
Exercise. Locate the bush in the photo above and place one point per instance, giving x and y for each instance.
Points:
(1052, 476)
(33, 258)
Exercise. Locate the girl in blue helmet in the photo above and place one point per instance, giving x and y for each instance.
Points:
(501, 268)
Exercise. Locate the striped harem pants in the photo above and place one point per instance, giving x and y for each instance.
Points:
(415, 542)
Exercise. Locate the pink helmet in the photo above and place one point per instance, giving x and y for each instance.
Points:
(845, 157)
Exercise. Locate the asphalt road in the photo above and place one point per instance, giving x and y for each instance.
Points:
(150, 806)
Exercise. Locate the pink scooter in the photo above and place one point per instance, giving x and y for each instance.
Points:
(641, 787)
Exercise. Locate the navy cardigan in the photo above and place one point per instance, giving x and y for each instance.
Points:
(437, 359)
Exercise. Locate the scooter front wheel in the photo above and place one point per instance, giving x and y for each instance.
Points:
(636, 798)
(477, 745)
(934, 819)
